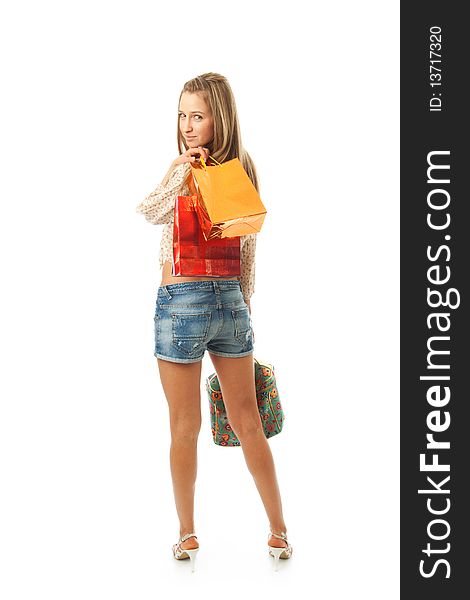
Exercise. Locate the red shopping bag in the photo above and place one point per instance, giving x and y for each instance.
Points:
(193, 255)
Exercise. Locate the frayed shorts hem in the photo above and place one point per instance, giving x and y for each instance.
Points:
(193, 360)
(228, 355)
(178, 360)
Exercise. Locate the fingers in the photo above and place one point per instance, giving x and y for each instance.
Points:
(193, 154)
(205, 153)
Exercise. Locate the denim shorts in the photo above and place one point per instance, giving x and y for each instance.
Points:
(193, 316)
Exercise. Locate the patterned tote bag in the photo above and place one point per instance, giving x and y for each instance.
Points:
(269, 406)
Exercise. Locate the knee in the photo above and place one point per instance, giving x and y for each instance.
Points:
(185, 430)
(246, 425)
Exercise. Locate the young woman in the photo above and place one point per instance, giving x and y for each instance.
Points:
(198, 313)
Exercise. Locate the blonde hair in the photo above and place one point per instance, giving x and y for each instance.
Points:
(226, 143)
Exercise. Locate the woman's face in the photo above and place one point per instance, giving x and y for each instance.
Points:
(195, 120)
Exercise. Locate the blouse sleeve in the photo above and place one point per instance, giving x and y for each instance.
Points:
(158, 206)
(247, 266)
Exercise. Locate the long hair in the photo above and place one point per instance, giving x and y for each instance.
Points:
(226, 143)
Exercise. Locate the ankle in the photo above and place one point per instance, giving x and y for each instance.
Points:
(186, 530)
(279, 529)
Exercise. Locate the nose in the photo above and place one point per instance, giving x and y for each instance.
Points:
(187, 125)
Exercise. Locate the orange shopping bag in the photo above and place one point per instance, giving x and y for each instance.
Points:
(229, 204)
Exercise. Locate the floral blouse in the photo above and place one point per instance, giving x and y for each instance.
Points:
(158, 208)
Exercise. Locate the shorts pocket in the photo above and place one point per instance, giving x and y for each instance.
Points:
(242, 322)
(190, 331)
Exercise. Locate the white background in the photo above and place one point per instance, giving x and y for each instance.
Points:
(88, 128)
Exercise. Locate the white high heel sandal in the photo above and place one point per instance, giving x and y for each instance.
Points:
(182, 553)
(277, 553)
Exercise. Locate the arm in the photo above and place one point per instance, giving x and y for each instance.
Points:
(158, 206)
(249, 305)
(247, 270)
(168, 175)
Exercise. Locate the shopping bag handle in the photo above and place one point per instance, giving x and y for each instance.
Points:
(203, 162)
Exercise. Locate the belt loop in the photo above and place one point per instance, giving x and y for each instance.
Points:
(166, 292)
(217, 294)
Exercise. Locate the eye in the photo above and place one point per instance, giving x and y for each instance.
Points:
(197, 117)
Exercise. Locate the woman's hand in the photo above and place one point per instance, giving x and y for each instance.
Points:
(192, 155)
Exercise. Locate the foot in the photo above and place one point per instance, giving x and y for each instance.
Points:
(189, 544)
(179, 548)
(275, 542)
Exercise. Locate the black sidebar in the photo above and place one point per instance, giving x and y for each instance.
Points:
(434, 302)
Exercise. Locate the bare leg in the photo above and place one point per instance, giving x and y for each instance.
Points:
(237, 382)
(182, 387)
